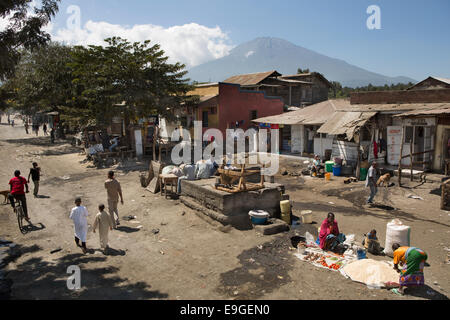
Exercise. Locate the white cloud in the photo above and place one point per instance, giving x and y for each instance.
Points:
(248, 54)
(191, 43)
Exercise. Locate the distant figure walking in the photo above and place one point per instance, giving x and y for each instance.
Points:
(44, 128)
(113, 191)
(35, 174)
(52, 135)
(79, 216)
(371, 181)
(12, 122)
(26, 127)
(104, 223)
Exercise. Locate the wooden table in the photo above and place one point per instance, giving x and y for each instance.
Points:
(166, 180)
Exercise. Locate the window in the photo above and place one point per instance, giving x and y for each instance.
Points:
(253, 114)
(213, 110)
(205, 119)
(409, 133)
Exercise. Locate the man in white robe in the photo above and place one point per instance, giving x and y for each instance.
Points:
(104, 223)
(79, 216)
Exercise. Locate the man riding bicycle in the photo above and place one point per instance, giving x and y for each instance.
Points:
(17, 192)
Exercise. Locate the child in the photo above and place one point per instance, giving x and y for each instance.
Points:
(104, 223)
(79, 216)
(371, 243)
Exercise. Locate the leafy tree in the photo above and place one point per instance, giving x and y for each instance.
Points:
(24, 30)
(124, 77)
(300, 71)
(337, 91)
(43, 80)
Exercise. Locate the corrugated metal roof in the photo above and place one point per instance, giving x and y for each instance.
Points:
(400, 107)
(316, 114)
(346, 123)
(206, 98)
(429, 112)
(251, 78)
(447, 81)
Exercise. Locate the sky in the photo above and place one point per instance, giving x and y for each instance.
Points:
(413, 39)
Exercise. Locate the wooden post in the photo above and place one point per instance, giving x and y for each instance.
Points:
(358, 163)
(411, 159)
(400, 160)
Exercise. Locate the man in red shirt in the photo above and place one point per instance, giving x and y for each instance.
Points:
(17, 192)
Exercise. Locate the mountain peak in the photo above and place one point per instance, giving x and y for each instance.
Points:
(271, 53)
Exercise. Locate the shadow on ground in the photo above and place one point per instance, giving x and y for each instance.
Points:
(263, 270)
(35, 278)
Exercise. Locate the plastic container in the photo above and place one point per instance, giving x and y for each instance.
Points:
(306, 216)
(361, 254)
(329, 166)
(363, 174)
(396, 232)
(337, 171)
(259, 217)
(328, 176)
(285, 207)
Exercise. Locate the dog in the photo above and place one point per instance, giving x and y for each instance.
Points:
(5, 194)
(384, 179)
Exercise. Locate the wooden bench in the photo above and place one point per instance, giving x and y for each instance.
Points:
(166, 180)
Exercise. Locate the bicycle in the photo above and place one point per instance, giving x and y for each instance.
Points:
(20, 216)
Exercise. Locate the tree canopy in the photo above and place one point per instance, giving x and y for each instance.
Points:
(344, 92)
(136, 76)
(93, 84)
(24, 31)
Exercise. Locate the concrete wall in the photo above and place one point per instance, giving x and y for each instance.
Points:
(322, 144)
(297, 138)
(412, 96)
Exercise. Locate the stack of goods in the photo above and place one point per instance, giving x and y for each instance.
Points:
(322, 259)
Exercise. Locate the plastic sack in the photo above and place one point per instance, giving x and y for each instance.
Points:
(350, 239)
(310, 239)
(396, 232)
(168, 170)
(203, 170)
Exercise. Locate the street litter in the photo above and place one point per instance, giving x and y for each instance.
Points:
(135, 222)
(415, 197)
(155, 231)
(65, 177)
(162, 252)
(56, 250)
(139, 227)
(128, 218)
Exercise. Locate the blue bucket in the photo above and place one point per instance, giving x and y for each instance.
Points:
(259, 221)
(259, 217)
(361, 253)
(337, 171)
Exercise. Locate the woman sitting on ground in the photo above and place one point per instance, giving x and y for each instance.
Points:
(412, 273)
(330, 238)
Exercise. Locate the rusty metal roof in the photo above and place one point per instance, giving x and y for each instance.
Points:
(346, 123)
(443, 109)
(316, 114)
(252, 78)
(394, 107)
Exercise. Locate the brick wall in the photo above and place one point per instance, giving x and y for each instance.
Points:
(411, 96)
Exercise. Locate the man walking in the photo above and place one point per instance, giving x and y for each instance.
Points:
(371, 181)
(44, 128)
(35, 174)
(113, 191)
(17, 192)
(79, 216)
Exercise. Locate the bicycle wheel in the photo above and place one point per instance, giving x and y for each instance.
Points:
(20, 215)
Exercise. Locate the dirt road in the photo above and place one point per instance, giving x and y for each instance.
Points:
(190, 258)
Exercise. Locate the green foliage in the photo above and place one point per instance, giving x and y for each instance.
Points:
(344, 92)
(124, 77)
(23, 32)
(300, 71)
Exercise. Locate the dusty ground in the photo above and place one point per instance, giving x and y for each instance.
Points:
(190, 258)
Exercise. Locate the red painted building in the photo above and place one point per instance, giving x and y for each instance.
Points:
(237, 107)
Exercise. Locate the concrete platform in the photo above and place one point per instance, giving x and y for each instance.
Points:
(231, 208)
(273, 227)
